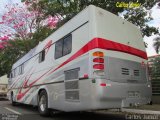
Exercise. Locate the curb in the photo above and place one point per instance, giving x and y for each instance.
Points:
(140, 111)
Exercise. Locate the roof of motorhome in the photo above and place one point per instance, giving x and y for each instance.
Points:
(26, 57)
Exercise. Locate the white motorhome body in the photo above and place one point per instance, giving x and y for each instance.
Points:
(94, 61)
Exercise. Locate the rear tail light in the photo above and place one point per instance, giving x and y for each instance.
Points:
(98, 54)
(98, 66)
(98, 60)
(98, 63)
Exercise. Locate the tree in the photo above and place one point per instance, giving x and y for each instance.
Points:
(21, 30)
(155, 69)
(17, 48)
(20, 23)
(69, 8)
(10, 54)
(156, 44)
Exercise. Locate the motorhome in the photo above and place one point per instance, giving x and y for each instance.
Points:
(96, 60)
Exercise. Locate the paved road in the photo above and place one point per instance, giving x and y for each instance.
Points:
(24, 112)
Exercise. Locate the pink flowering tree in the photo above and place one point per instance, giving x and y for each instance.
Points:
(21, 21)
(17, 21)
(22, 26)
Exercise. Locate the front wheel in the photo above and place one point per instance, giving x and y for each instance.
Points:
(43, 104)
(12, 101)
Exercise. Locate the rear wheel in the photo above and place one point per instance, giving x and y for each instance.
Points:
(43, 104)
(150, 103)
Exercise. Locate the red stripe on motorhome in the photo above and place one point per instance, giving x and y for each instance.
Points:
(22, 94)
(95, 43)
(107, 45)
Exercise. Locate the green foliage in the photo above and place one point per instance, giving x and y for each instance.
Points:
(156, 44)
(10, 54)
(155, 70)
(140, 17)
(17, 48)
(69, 8)
(40, 35)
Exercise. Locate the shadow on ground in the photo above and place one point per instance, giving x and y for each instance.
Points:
(87, 116)
(76, 116)
(67, 115)
(3, 99)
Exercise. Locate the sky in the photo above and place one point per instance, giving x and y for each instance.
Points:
(5, 2)
(155, 23)
(149, 40)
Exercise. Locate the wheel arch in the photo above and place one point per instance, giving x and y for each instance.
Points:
(11, 94)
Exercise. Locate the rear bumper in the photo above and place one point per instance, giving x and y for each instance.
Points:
(117, 95)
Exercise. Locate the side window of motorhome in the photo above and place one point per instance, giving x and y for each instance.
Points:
(63, 46)
(58, 49)
(13, 73)
(67, 45)
(16, 71)
(21, 69)
(42, 56)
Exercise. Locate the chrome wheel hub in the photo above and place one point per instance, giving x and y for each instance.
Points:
(42, 103)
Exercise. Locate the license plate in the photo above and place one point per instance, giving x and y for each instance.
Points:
(133, 94)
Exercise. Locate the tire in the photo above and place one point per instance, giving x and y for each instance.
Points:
(150, 103)
(43, 104)
(12, 101)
